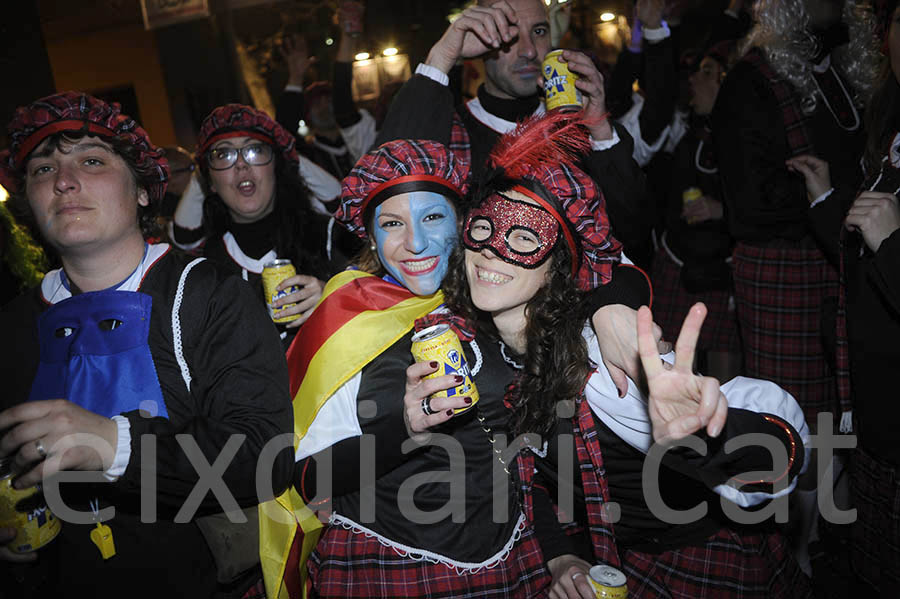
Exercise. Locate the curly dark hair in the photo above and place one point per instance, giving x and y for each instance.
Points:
(298, 235)
(144, 177)
(556, 363)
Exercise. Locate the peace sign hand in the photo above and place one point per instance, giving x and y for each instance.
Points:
(680, 402)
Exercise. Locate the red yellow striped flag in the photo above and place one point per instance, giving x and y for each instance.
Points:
(358, 316)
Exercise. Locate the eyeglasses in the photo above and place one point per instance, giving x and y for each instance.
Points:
(224, 157)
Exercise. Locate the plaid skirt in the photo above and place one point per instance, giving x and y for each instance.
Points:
(875, 536)
(779, 294)
(730, 564)
(671, 302)
(349, 564)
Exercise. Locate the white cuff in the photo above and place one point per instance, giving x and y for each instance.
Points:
(658, 34)
(123, 449)
(598, 145)
(290, 87)
(433, 73)
(821, 198)
(732, 13)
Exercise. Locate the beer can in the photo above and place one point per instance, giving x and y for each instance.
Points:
(691, 194)
(26, 511)
(559, 84)
(352, 17)
(274, 273)
(440, 344)
(607, 582)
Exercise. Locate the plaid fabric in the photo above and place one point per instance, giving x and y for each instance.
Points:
(78, 112)
(673, 301)
(795, 122)
(779, 294)
(459, 140)
(397, 167)
(875, 536)
(236, 120)
(257, 591)
(346, 564)
(729, 564)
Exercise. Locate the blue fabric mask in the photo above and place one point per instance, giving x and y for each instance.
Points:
(433, 224)
(94, 353)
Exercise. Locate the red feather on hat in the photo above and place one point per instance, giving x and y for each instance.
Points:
(555, 137)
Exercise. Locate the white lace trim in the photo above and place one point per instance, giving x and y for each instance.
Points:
(176, 324)
(421, 555)
(542, 452)
(478, 358)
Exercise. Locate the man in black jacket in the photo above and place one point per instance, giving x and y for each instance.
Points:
(512, 37)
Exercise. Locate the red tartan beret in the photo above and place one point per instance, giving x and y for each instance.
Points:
(239, 120)
(541, 153)
(77, 112)
(396, 167)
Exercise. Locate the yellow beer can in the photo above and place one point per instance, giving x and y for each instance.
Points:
(691, 194)
(274, 273)
(608, 582)
(559, 84)
(27, 512)
(440, 344)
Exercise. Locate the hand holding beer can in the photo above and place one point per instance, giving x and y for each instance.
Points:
(559, 84)
(607, 582)
(273, 274)
(440, 344)
(26, 511)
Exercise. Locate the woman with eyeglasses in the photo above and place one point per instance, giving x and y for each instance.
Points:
(256, 207)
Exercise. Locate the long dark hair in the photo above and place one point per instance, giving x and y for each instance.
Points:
(881, 119)
(556, 362)
(299, 234)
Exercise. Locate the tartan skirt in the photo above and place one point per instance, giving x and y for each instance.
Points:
(350, 564)
(730, 564)
(671, 302)
(779, 294)
(875, 536)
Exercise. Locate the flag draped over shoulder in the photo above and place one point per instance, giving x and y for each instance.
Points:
(358, 316)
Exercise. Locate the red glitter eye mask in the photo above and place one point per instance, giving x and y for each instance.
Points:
(517, 232)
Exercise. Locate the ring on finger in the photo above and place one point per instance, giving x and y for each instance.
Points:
(39, 448)
(576, 575)
(426, 406)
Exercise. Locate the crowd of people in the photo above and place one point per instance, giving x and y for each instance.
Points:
(742, 204)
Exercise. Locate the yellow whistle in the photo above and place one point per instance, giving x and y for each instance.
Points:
(103, 539)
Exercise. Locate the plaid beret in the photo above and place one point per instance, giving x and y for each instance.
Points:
(396, 167)
(541, 153)
(239, 120)
(77, 112)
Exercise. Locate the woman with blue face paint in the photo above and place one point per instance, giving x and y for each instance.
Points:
(405, 517)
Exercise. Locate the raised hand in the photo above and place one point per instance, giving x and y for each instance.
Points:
(477, 30)
(680, 402)
(295, 53)
(418, 398)
(590, 82)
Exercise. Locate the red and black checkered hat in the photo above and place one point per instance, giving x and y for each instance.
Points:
(396, 167)
(539, 157)
(77, 112)
(239, 120)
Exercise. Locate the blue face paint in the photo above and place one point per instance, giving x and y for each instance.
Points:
(415, 233)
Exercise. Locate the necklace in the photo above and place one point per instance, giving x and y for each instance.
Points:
(507, 359)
